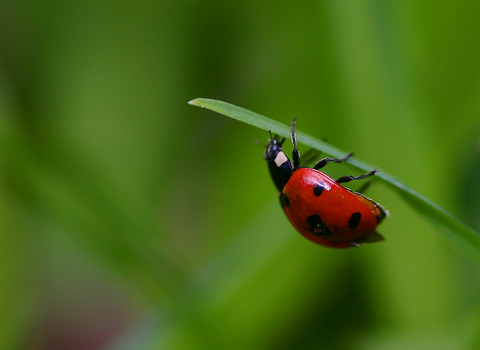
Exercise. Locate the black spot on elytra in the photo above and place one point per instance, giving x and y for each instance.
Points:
(316, 226)
(354, 220)
(284, 201)
(318, 189)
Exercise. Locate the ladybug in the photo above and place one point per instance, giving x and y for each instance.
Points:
(319, 207)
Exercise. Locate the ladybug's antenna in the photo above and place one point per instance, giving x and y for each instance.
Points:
(295, 152)
(260, 143)
(279, 142)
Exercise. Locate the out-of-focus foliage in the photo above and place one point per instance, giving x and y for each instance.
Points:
(130, 220)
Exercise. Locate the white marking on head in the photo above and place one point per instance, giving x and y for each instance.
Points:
(280, 159)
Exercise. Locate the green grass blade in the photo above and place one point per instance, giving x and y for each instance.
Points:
(453, 228)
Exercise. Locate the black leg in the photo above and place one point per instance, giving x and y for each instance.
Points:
(295, 152)
(349, 178)
(322, 162)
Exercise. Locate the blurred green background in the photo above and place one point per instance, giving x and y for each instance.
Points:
(131, 220)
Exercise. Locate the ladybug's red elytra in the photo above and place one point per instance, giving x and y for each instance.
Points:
(319, 207)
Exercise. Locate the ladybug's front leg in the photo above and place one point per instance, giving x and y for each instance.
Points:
(349, 178)
(295, 152)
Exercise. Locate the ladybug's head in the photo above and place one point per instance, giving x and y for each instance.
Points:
(280, 166)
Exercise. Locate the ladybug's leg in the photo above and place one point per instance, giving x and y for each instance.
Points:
(295, 152)
(349, 178)
(322, 162)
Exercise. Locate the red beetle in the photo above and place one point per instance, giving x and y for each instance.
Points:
(319, 207)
